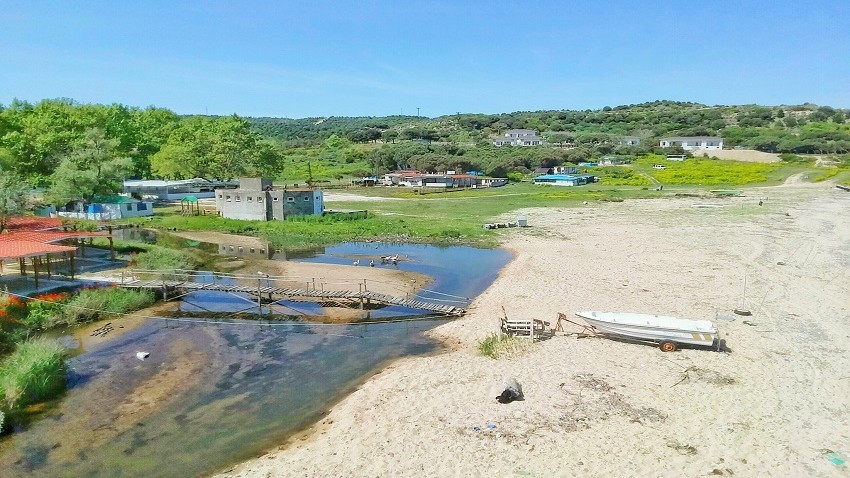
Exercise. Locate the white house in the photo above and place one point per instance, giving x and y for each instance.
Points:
(483, 182)
(564, 169)
(628, 141)
(691, 143)
(519, 137)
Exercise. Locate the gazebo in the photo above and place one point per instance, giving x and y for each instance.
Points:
(189, 206)
(23, 250)
(36, 239)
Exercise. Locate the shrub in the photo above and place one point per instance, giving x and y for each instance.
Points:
(793, 158)
(160, 258)
(515, 176)
(34, 372)
(12, 308)
(42, 315)
(495, 347)
(94, 304)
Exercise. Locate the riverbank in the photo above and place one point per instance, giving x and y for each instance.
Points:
(596, 406)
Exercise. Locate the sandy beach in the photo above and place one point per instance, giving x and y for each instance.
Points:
(770, 406)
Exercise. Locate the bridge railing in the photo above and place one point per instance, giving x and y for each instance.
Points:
(262, 279)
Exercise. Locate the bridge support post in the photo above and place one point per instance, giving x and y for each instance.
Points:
(260, 296)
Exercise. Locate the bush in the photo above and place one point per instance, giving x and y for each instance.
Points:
(495, 347)
(42, 314)
(161, 258)
(793, 158)
(95, 304)
(33, 373)
(515, 176)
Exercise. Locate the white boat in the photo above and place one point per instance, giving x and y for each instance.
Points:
(668, 331)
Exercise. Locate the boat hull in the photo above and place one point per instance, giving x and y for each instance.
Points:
(653, 328)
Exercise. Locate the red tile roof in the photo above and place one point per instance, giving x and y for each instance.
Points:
(16, 249)
(47, 236)
(32, 223)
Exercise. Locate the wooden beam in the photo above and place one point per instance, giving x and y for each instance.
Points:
(35, 270)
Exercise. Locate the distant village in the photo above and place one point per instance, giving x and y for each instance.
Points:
(257, 199)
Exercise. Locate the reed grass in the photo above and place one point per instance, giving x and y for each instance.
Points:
(496, 347)
(33, 373)
(95, 304)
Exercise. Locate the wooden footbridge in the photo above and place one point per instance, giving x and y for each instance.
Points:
(271, 290)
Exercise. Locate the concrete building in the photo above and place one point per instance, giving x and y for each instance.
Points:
(257, 200)
(692, 143)
(628, 141)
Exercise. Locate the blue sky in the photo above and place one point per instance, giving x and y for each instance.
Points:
(376, 58)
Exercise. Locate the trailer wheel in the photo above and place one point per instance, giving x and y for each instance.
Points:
(668, 346)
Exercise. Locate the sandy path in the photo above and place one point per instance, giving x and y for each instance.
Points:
(747, 155)
(597, 407)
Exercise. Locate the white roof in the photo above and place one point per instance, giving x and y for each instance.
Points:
(167, 182)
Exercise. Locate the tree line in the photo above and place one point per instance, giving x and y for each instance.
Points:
(80, 151)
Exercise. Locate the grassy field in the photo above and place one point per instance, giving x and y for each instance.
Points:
(435, 218)
(442, 217)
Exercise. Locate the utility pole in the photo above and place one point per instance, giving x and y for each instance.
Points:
(417, 111)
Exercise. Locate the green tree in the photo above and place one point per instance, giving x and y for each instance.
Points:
(389, 136)
(219, 148)
(13, 197)
(93, 168)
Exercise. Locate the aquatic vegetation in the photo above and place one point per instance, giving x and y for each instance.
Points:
(95, 304)
(161, 258)
(34, 372)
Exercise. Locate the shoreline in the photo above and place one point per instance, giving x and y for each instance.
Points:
(627, 264)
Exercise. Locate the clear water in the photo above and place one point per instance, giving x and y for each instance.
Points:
(211, 395)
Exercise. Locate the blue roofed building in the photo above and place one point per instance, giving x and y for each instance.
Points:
(565, 179)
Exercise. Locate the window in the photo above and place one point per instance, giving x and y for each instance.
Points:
(219, 196)
(129, 207)
(250, 198)
(276, 199)
(259, 199)
(306, 198)
(228, 198)
(238, 199)
(290, 199)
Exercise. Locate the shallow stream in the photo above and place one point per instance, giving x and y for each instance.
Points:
(213, 394)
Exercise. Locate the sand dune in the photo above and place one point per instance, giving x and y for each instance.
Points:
(597, 407)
